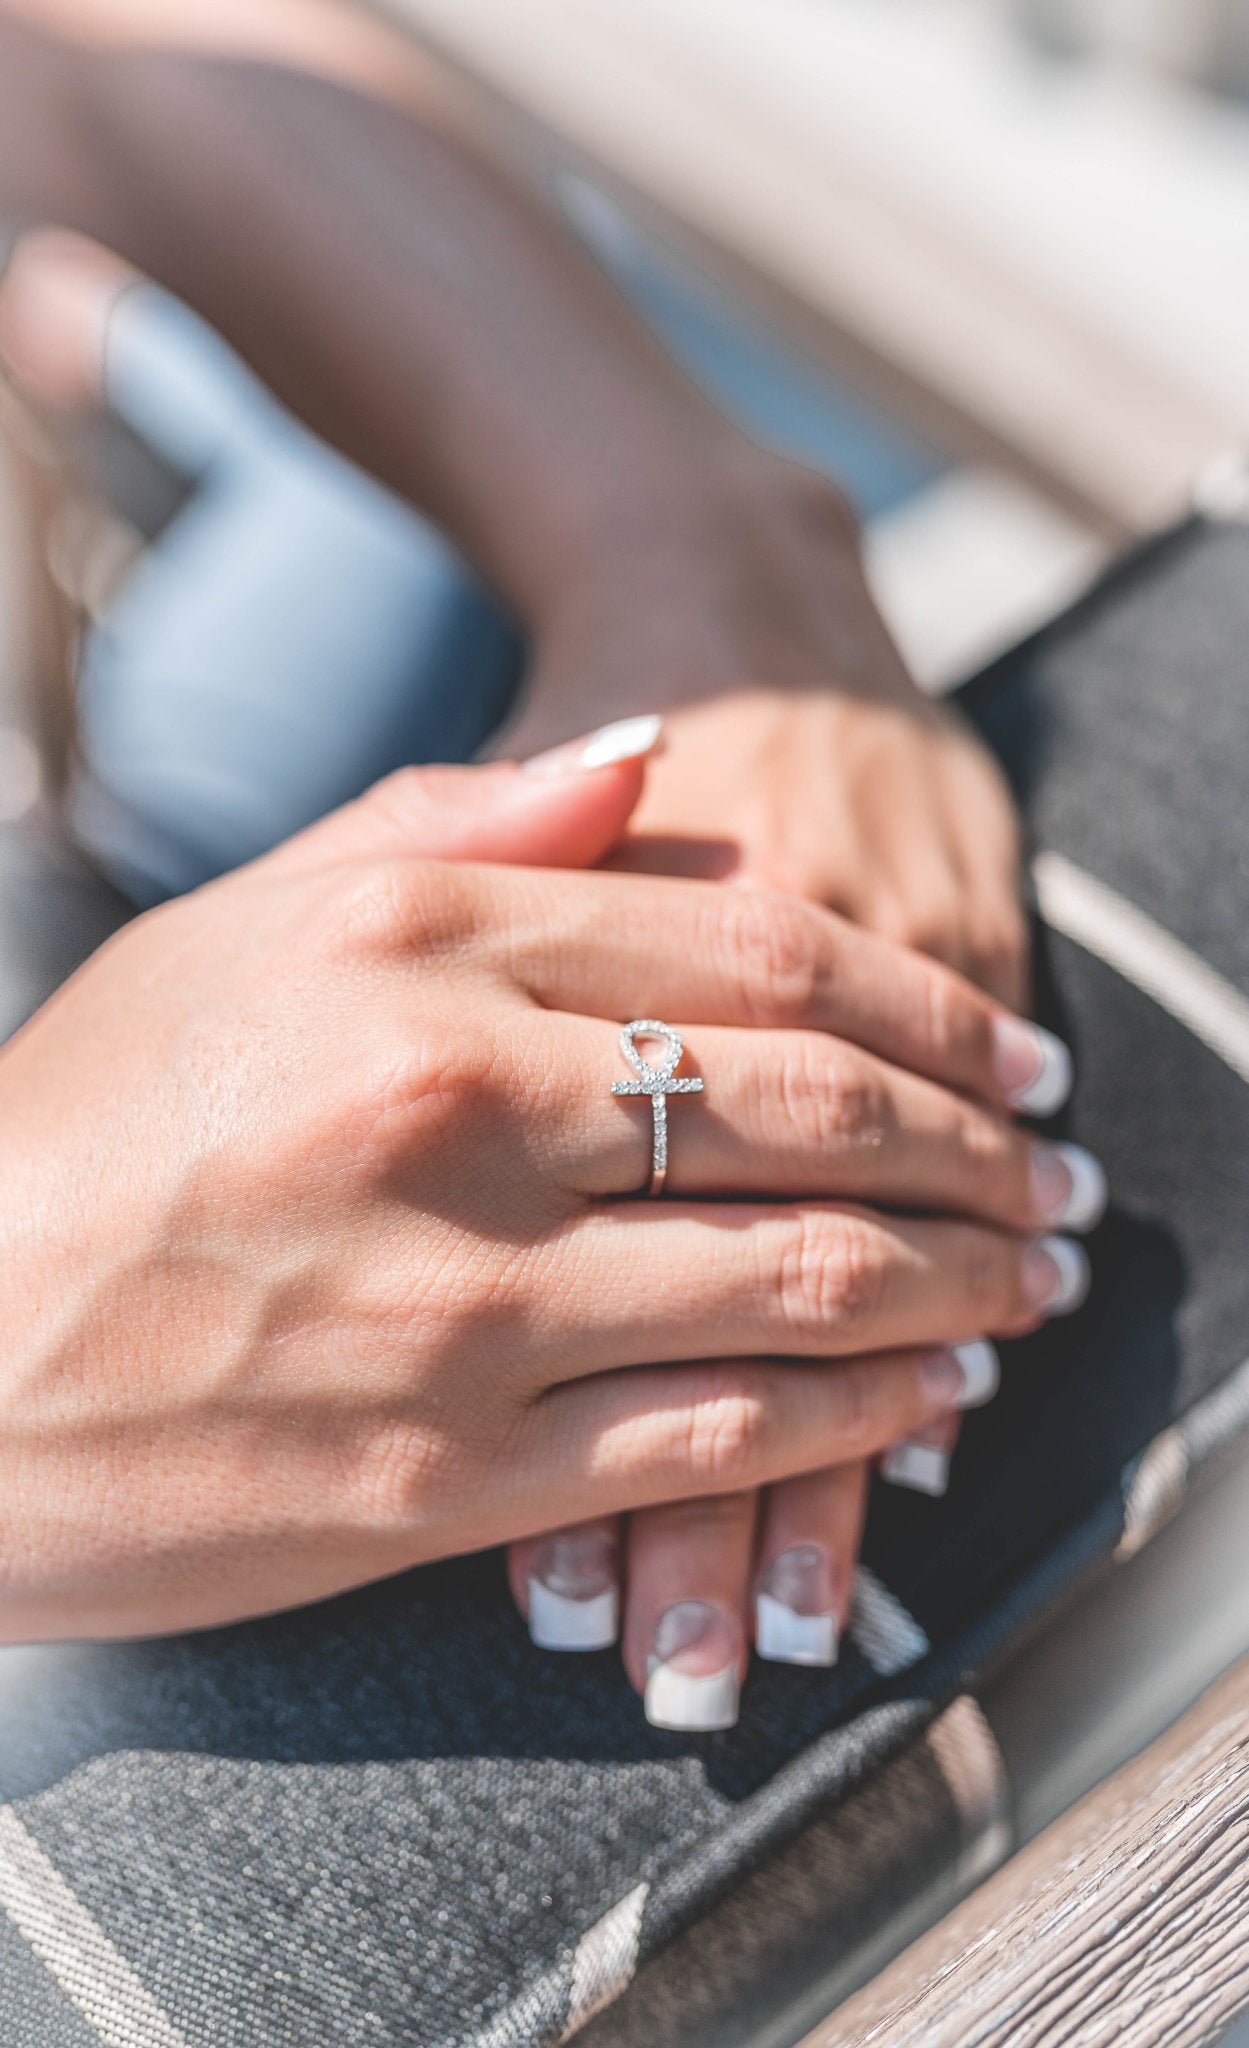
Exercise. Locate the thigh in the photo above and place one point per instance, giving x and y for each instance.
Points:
(293, 634)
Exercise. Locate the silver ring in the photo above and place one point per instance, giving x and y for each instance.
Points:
(659, 1082)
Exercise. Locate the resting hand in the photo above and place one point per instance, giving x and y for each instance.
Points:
(800, 754)
(320, 1258)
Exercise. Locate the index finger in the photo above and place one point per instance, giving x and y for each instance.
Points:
(643, 946)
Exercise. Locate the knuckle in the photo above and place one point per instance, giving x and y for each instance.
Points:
(833, 1094)
(992, 1156)
(990, 1278)
(397, 1474)
(381, 907)
(774, 954)
(830, 1275)
(858, 1414)
(426, 1085)
(730, 1427)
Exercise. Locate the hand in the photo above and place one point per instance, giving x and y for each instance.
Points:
(800, 754)
(319, 1255)
(803, 758)
(887, 811)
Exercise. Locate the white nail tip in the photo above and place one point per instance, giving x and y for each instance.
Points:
(629, 739)
(1086, 1204)
(1072, 1263)
(1051, 1085)
(982, 1374)
(787, 1637)
(675, 1699)
(921, 1467)
(558, 1623)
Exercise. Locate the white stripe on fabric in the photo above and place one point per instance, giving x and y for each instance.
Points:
(890, 1638)
(975, 1771)
(1147, 955)
(1217, 1418)
(605, 1960)
(1154, 1492)
(94, 1976)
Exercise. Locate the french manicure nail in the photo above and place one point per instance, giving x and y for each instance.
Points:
(1069, 1187)
(1056, 1274)
(924, 1468)
(982, 1372)
(795, 1620)
(692, 1672)
(629, 739)
(964, 1376)
(1033, 1068)
(573, 1592)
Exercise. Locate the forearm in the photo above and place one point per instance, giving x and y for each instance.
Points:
(403, 299)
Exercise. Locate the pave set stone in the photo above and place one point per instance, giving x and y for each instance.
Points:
(657, 1081)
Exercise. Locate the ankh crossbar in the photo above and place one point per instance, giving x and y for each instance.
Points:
(659, 1082)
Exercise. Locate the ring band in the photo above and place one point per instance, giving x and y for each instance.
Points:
(658, 1082)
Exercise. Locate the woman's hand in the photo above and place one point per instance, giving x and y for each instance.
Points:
(800, 754)
(885, 809)
(320, 1252)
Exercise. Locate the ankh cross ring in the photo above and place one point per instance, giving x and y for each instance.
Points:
(659, 1082)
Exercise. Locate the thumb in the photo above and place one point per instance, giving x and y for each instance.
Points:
(565, 809)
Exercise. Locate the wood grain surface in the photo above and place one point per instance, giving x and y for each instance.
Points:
(1123, 1923)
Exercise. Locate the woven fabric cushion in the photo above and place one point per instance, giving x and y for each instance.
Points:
(389, 1820)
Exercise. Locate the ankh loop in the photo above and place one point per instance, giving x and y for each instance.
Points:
(659, 1082)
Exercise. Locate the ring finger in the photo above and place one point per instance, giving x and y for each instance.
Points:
(794, 1113)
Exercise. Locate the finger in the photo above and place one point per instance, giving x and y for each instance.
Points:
(567, 1585)
(999, 939)
(922, 904)
(971, 923)
(798, 1113)
(645, 1281)
(634, 1439)
(989, 855)
(999, 950)
(563, 809)
(809, 1539)
(689, 1569)
(637, 946)
(921, 1462)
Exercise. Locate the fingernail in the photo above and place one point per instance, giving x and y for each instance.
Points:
(573, 1592)
(1033, 1068)
(692, 1680)
(964, 1376)
(1055, 1274)
(795, 1620)
(982, 1372)
(924, 1468)
(1068, 1186)
(629, 739)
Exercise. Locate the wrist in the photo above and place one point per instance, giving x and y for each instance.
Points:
(745, 575)
(707, 500)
